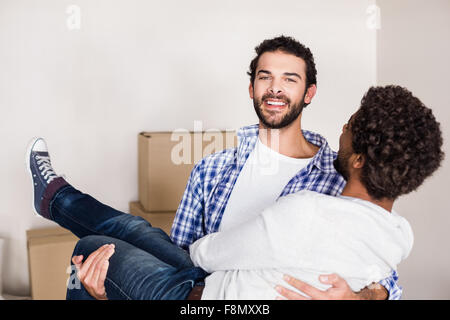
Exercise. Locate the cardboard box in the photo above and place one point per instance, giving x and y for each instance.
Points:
(161, 220)
(166, 160)
(49, 254)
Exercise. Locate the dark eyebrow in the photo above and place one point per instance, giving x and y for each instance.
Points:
(264, 71)
(289, 74)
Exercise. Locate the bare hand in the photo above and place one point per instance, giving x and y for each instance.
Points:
(92, 273)
(339, 289)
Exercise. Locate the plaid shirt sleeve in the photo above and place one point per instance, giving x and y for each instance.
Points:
(187, 225)
(391, 285)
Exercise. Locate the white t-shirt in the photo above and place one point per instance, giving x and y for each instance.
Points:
(261, 181)
(304, 234)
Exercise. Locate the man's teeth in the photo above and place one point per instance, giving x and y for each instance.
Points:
(273, 103)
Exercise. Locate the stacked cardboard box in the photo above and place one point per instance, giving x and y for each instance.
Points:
(165, 161)
(49, 254)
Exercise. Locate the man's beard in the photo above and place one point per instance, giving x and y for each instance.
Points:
(292, 114)
(341, 164)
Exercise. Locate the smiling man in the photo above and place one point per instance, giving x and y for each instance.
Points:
(230, 187)
(279, 95)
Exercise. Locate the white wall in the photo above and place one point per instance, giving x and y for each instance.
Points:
(413, 50)
(149, 65)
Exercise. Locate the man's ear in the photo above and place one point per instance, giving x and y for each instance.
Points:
(250, 90)
(310, 93)
(358, 161)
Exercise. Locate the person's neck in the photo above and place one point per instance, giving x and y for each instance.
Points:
(288, 141)
(355, 189)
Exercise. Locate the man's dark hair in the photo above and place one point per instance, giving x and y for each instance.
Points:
(400, 140)
(286, 45)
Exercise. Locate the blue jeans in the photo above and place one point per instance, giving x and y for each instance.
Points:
(146, 264)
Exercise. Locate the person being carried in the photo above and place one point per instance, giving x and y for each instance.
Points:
(387, 149)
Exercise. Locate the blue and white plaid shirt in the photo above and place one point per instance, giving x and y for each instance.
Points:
(213, 178)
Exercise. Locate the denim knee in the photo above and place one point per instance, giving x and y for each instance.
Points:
(86, 245)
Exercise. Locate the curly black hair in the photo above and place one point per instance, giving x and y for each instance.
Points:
(286, 45)
(400, 140)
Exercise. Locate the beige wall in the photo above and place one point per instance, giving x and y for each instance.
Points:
(413, 50)
(149, 65)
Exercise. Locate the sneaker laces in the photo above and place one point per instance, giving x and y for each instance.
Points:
(46, 168)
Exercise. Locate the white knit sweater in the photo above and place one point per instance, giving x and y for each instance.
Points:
(305, 234)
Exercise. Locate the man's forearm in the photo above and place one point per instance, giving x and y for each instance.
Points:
(373, 292)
